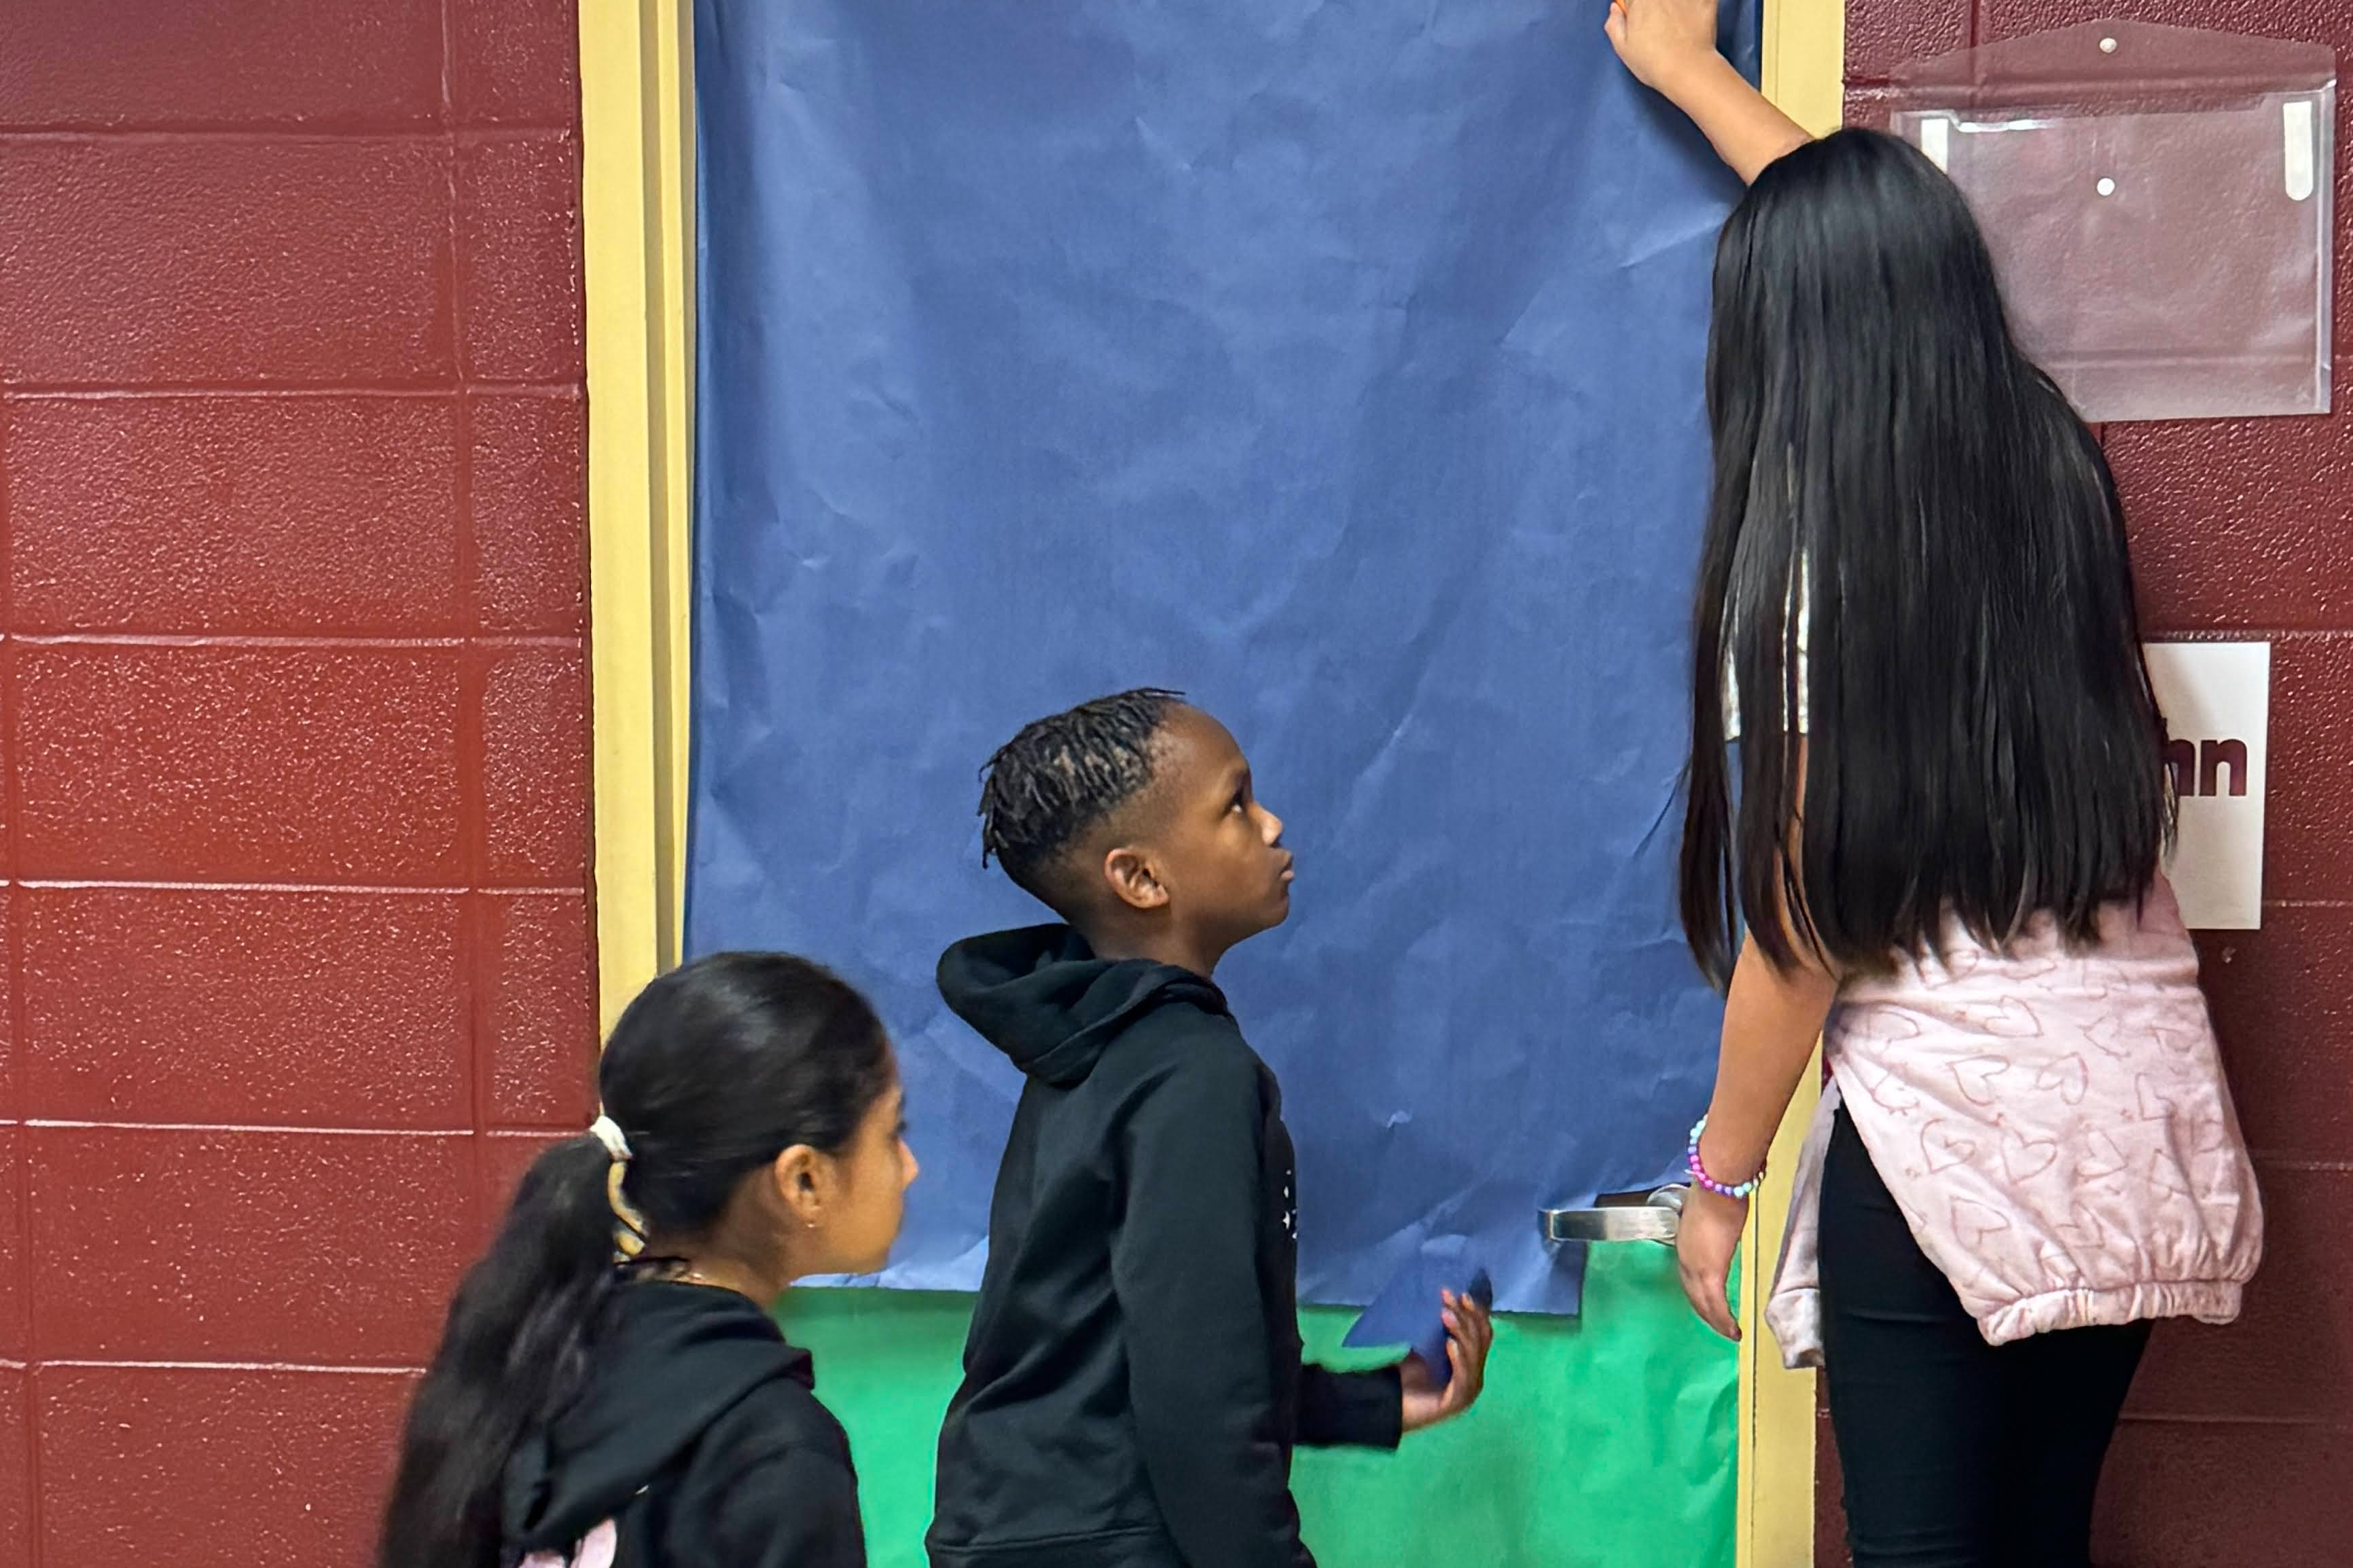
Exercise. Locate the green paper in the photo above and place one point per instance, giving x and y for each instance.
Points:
(1606, 1439)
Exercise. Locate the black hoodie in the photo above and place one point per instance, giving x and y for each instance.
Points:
(700, 1433)
(1132, 1388)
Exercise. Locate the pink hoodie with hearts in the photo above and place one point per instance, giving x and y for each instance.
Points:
(2054, 1125)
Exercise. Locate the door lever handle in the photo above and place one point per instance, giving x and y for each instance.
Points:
(1653, 1220)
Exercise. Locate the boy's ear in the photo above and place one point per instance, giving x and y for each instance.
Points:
(1129, 871)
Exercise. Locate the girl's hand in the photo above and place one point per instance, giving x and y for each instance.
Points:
(1469, 1332)
(1705, 1239)
(1662, 39)
(1669, 46)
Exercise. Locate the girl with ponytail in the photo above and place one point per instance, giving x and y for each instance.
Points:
(610, 1388)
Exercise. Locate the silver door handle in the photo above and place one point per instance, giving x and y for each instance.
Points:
(1653, 1220)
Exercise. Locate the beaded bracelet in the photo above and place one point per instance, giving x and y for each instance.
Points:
(1705, 1182)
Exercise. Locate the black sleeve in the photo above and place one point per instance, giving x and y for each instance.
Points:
(1185, 1266)
(1364, 1409)
(796, 1508)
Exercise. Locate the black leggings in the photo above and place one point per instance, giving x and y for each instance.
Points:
(1958, 1454)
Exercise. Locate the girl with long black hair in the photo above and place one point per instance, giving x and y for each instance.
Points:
(610, 1388)
(1939, 853)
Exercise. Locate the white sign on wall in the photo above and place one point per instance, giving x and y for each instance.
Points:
(2217, 701)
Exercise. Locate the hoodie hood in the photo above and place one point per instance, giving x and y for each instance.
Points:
(1043, 997)
(673, 1359)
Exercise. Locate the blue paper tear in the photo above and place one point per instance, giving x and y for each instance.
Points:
(1409, 1311)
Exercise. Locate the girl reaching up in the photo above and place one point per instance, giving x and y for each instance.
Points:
(1940, 856)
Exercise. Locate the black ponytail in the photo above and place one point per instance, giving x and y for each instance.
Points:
(712, 1071)
(517, 1336)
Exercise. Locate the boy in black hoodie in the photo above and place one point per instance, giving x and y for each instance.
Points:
(1132, 1388)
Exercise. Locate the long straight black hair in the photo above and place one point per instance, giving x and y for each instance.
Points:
(1908, 512)
(712, 1071)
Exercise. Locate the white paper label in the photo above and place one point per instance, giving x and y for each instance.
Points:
(2216, 698)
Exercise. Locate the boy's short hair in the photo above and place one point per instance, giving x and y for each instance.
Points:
(1062, 775)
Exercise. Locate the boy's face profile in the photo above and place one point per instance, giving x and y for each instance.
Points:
(1205, 850)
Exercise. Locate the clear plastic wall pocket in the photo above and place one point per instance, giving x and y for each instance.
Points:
(2160, 202)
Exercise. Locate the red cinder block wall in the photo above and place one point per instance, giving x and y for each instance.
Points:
(293, 737)
(2238, 1442)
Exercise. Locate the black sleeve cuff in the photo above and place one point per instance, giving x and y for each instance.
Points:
(1359, 1410)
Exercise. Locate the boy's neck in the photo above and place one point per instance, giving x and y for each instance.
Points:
(1176, 948)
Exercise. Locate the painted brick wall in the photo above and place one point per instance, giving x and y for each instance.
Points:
(2237, 1441)
(293, 737)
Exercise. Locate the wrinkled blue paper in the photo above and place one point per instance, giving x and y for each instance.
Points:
(1339, 363)
(1411, 1308)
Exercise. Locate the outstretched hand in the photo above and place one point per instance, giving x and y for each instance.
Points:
(1659, 38)
(1469, 1332)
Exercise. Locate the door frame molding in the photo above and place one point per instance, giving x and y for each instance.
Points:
(1804, 73)
(638, 226)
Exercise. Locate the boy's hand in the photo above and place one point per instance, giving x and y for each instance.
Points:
(1706, 1238)
(1660, 40)
(1469, 1331)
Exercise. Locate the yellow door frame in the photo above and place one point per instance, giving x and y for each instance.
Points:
(1805, 73)
(636, 191)
(637, 129)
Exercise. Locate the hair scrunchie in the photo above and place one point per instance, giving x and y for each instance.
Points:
(629, 1231)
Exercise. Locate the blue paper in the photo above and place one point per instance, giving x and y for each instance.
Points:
(1409, 1310)
(1339, 363)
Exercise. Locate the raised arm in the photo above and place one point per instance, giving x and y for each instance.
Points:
(1669, 46)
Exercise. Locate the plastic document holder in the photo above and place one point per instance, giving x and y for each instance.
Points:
(2160, 204)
